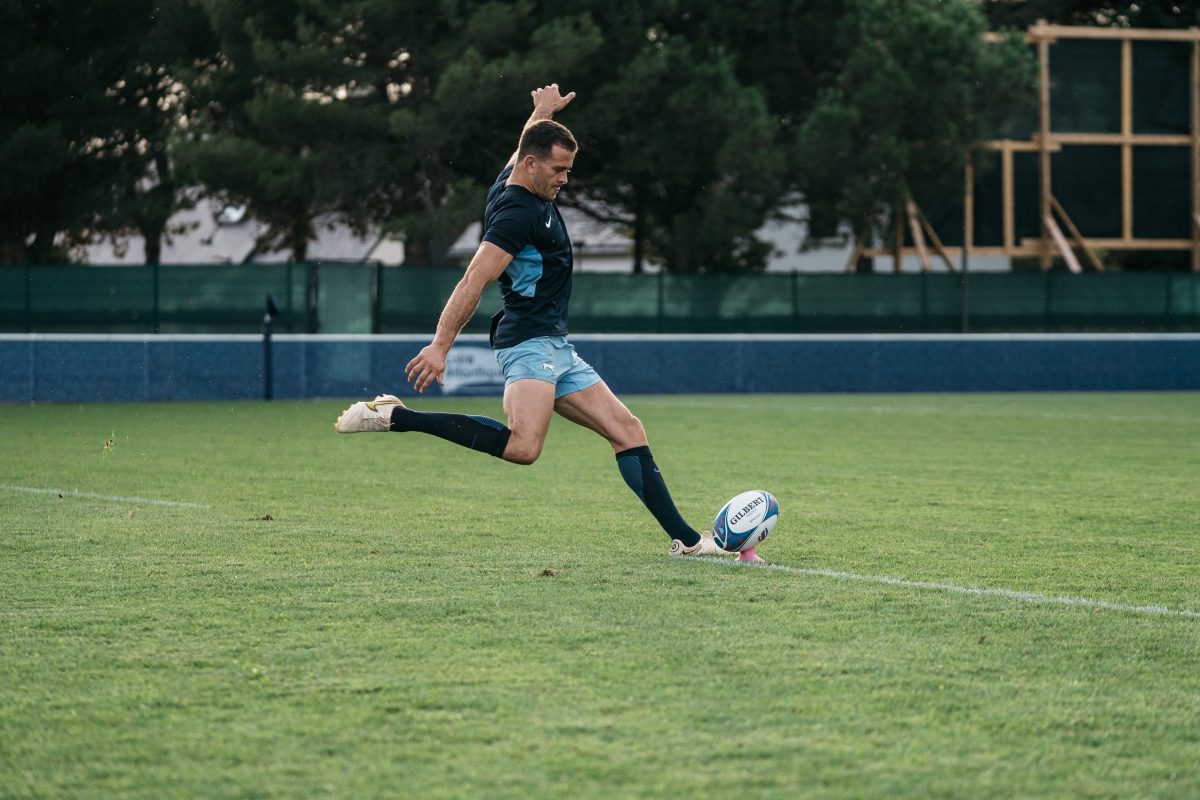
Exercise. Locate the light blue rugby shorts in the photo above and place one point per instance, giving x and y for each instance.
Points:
(547, 358)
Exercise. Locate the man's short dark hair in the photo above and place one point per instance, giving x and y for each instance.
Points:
(539, 138)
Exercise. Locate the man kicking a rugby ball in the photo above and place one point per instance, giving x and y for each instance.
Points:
(526, 247)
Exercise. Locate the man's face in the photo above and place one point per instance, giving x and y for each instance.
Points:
(550, 175)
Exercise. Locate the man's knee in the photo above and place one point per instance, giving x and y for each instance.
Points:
(630, 433)
(522, 452)
(634, 428)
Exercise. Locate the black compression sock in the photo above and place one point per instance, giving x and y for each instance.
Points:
(641, 474)
(477, 433)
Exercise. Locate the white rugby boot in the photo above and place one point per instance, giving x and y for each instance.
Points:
(370, 416)
(705, 547)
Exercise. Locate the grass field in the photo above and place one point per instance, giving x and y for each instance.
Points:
(970, 597)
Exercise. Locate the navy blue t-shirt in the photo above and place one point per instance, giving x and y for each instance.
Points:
(536, 286)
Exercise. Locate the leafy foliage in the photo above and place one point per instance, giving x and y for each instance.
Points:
(1101, 13)
(91, 97)
(283, 127)
(916, 85)
(689, 154)
(698, 121)
(55, 156)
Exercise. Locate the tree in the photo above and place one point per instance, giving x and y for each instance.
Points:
(789, 51)
(57, 155)
(457, 76)
(667, 134)
(915, 85)
(151, 101)
(91, 97)
(385, 113)
(697, 119)
(686, 154)
(285, 123)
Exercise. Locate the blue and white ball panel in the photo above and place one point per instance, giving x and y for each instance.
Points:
(745, 520)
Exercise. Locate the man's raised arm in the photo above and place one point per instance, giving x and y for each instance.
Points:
(547, 101)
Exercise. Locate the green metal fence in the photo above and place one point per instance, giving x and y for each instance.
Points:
(368, 298)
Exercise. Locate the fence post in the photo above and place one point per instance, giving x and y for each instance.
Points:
(376, 301)
(795, 300)
(1048, 295)
(28, 299)
(964, 296)
(289, 303)
(268, 319)
(1169, 284)
(157, 320)
(312, 321)
(662, 305)
(924, 301)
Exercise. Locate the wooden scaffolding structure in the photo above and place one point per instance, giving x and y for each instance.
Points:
(1045, 143)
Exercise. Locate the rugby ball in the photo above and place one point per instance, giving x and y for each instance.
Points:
(745, 520)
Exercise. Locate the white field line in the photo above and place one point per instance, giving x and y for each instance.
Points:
(1007, 594)
(878, 409)
(112, 498)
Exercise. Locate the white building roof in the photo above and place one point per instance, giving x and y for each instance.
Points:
(209, 233)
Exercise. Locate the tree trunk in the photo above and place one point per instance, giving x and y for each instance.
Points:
(681, 260)
(160, 208)
(300, 238)
(432, 246)
(42, 248)
(153, 242)
(417, 250)
(12, 251)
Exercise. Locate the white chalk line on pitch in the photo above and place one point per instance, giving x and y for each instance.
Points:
(928, 410)
(1007, 594)
(111, 498)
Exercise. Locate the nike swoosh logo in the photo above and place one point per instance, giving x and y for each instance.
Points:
(548, 221)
